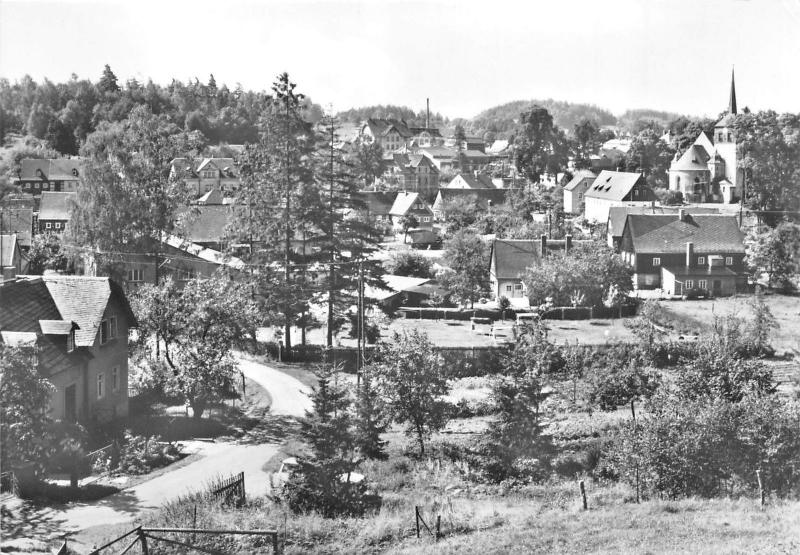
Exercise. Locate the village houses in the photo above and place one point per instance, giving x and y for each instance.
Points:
(80, 327)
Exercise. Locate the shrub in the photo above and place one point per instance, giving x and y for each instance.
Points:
(141, 454)
(708, 447)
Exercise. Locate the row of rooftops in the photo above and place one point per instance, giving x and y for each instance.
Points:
(48, 170)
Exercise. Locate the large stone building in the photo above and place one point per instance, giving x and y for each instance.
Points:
(707, 171)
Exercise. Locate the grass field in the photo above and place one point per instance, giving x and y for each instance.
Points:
(698, 315)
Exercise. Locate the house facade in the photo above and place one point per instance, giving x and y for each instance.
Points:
(612, 188)
(207, 175)
(55, 209)
(48, 174)
(617, 215)
(80, 325)
(411, 204)
(412, 172)
(484, 199)
(666, 251)
(509, 260)
(575, 189)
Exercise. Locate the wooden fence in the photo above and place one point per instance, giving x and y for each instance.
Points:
(141, 535)
(9, 483)
(230, 490)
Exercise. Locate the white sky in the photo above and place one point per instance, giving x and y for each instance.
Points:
(465, 55)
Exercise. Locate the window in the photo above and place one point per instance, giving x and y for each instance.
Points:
(656, 261)
(702, 284)
(729, 137)
(635, 193)
(426, 218)
(689, 284)
(729, 261)
(209, 174)
(518, 287)
(508, 289)
(135, 274)
(101, 385)
(105, 331)
(48, 225)
(112, 327)
(115, 379)
(701, 260)
(720, 137)
(580, 196)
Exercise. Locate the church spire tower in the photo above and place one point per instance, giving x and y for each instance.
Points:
(732, 101)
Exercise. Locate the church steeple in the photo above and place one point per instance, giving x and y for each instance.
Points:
(732, 101)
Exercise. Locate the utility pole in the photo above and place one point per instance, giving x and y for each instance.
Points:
(361, 337)
(332, 276)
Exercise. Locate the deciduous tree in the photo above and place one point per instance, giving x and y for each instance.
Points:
(467, 258)
(411, 375)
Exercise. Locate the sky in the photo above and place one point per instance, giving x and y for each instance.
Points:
(464, 55)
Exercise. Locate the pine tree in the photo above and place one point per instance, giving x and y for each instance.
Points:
(371, 420)
(281, 201)
(108, 81)
(347, 239)
(322, 482)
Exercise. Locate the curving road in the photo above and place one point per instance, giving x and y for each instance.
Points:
(289, 398)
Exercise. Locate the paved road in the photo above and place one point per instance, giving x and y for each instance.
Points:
(290, 398)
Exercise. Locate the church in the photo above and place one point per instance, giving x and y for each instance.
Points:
(707, 171)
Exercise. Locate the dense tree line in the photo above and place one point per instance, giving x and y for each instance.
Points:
(64, 114)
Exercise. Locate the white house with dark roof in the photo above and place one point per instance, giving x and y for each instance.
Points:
(612, 188)
(575, 189)
(411, 204)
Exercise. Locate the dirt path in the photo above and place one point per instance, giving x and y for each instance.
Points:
(216, 459)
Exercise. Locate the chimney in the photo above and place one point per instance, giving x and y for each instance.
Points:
(428, 113)
(544, 244)
(568, 243)
(682, 215)
(689, 253)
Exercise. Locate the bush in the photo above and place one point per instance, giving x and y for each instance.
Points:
(141, 454)
(709, 447)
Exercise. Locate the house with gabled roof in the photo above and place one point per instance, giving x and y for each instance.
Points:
(207, 174)
(681, 252)
(477, 180)
(55, 211)
(411, 172)
(411, 204)
(80, 327)
(509, 260)
(48, 174)
(575, 189)
(377, 204)
(612, 188)
(391, 134)
(617, 215)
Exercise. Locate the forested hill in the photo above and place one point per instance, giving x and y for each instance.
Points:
(502, 119)
(390, 111)
(630, 117)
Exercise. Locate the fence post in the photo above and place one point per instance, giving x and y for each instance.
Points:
(143, 539)
(760, 488)
(241, 477)
(583, 496)
(275, 543)
(416, 518)
(438, 527)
